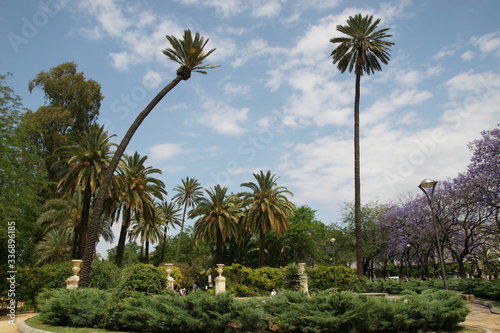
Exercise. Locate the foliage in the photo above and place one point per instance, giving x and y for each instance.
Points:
(323, 278)
(268, 208)
(290, 311)
(77, 307)
(21, 180)
(105, 275)
(246, 281)
(291, 277)
(140, 277)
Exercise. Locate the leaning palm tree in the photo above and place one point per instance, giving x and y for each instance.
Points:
(136, 192)
(187, 195)
(169, 216)
(360, 52)
(87, 158)
(189, 53)
(269, 208)
(218, 218)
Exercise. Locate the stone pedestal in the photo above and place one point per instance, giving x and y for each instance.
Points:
(72, 282)
(304, 286)
(220, 281)
(170, 280)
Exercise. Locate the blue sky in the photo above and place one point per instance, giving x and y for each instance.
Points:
(277, 102)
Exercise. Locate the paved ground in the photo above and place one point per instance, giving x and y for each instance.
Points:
(480, 317)
(6, 327)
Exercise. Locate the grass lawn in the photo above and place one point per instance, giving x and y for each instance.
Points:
(35, 322)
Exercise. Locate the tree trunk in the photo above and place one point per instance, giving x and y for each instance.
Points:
(84, 221)
(357, 181)
(219, 242)
(147, 252)
(180, 234)
(262, 247)
(120, 251)
(101, 194)
(163, 245)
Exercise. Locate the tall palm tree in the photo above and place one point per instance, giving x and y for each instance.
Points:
(187, 195)
(148, 230)
(87, 159)
(269, 208)
(189, 53)
(169, 216)
(219, 215)
(137, 191)
(360, 51)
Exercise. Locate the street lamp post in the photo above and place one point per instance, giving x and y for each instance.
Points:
(333, 240)
(425, 184)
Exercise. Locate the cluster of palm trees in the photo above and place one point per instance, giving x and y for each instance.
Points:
(218, 215)
(137, 198)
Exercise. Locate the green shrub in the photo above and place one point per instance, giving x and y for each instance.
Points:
(291, 277)
(76, 308)
(487, 289)
(104, 275)
(140, 277)
(244, 281)
(323, 278)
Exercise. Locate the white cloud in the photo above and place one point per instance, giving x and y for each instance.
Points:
(487, 43)
(467, 55)
(152, 79)
(166, 151)
(222, 118)
(141, 33)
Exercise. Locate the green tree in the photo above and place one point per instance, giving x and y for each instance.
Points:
(360, 52)
(305, 240)
(374, 233)
(21, 180)
(218, 218)
(70, 91)
(86, 160)
(190, 54)
(188, 194)
(148, 230)
(269, 208)
(72, 103)
(137, 190)
(169, 216)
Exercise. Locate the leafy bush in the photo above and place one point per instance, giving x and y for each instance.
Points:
(291, 277)
(487, 289)
(140, 277)
(77, 308)
(244, 281)
(104, 275)
(196, 312)
(323, 278)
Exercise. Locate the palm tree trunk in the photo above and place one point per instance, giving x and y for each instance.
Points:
(262, 247)
(84, 221)
(357, 180)
(123, 238)
(180, 234)
(219, 242)
(101, 194)
(147, 252)
(163, 245)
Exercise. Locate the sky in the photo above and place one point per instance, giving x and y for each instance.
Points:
(277, 102)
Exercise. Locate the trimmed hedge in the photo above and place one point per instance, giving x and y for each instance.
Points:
(288, 312)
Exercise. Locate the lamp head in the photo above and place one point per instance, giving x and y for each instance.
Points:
(333, 240)
(428, 183)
